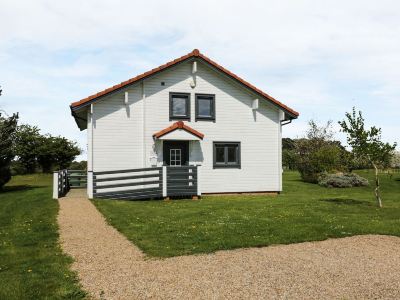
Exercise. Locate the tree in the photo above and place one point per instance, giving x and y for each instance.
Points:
(56, 152)
(27, 144)
(8, 127)
(78, 165)
(367, 143)
(66, 152)
(45, 151)
(317, 152)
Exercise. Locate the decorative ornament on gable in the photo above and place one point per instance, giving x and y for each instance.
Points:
(194, 71)
(255, 104)
(126, 98)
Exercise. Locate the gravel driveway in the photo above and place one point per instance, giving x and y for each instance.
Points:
(111, 267)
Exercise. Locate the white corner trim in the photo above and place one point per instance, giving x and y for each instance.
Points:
(144, 124)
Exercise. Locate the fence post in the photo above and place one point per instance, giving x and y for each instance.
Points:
(90, 184)
(198, 180)
(62, 184)
(65, 182)
(164, 179)
(55, 185)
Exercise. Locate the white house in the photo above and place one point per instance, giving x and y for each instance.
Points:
(190, 111)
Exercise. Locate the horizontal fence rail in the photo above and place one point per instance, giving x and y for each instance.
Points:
(77, 179)
(64, 180)
(182, 181)
(145, 183)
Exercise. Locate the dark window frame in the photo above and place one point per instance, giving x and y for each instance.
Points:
(171, 116)
(236, 165)
(213, 113)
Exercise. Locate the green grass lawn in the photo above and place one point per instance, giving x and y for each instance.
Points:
(303, 212)
(32, 265)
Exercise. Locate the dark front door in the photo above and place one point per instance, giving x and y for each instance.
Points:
(176, 153)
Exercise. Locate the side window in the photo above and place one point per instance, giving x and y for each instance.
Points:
(226, 155)
(205, 107)
(179, 106)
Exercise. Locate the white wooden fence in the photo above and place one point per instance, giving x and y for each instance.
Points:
(60, 183)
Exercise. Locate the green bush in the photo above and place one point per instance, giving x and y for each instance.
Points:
(315, 157)
(341, 180)
(317, 152)
(78, 165)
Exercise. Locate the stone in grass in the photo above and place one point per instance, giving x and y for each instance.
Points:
(342, 180)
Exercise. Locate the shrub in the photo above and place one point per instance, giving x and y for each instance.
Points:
(78, 165)
(17, 168)
(318, 152)
(341, 180)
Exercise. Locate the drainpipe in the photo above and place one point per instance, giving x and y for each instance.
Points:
(281, 115)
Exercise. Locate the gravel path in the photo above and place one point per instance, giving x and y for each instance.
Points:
(111, 267)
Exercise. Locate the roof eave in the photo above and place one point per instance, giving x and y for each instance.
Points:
(76, 106)
(80, 122)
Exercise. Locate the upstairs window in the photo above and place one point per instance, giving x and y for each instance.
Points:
(226, 155)
(179, 106)
(205, 107)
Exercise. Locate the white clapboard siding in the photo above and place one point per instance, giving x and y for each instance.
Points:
(119, 143)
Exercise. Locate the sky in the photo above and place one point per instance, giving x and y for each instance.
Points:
(320, 58)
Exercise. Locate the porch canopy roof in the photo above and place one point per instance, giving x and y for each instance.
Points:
(179, 131)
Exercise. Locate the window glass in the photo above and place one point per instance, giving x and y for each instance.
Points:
(179, 107)
(204, 107)
(220, 154)
(232, 154)
(175, 157)
(226, 155)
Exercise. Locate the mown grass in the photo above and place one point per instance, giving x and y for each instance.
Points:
(32, 265)
(303, 212)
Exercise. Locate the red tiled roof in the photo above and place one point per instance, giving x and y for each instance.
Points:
(178, 125)
(194, 53)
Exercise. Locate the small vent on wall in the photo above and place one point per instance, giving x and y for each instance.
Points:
(162, 83)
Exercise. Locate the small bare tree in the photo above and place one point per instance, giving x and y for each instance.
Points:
(367, 144)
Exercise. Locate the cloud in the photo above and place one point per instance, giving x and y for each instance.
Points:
(320, 57)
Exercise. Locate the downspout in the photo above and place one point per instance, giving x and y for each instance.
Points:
(281, 115)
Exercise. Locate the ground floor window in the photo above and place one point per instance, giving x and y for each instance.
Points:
(226, 154)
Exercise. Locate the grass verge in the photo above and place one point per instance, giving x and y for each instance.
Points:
(32, 265)
(303, 212)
